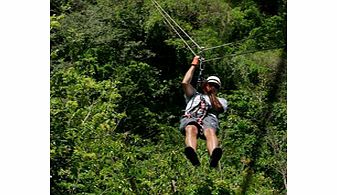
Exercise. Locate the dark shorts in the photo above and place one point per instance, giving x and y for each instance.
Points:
(207, 122)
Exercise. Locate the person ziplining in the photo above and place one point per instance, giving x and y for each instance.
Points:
(201, 114)
(200, 119)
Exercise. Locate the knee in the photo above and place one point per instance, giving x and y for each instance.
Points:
(191, 130)
(210, 132)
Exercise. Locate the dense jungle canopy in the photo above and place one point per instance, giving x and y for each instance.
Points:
(116, 96)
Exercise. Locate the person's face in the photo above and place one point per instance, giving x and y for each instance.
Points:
(210, 88)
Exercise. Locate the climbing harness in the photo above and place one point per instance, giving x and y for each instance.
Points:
(199, 112)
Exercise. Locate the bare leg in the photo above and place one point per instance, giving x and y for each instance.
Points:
(212, 145)
(191, 132)
(211, 139)
(191, 144)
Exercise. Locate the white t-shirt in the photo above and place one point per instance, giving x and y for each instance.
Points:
(194, 101)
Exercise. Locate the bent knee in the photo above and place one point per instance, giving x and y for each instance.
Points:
(191, 129)
(210, 132)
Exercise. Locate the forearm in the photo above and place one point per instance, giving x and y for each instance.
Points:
(189, 75)
(186, 83)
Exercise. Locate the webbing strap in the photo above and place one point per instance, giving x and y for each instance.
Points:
(199, 112)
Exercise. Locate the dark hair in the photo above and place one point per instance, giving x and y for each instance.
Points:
(216, 105)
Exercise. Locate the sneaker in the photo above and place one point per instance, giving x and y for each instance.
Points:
(192, 156)
(215, 157)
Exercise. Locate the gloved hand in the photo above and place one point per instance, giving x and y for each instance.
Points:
(195, 61)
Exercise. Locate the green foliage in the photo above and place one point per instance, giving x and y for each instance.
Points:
(116, 99)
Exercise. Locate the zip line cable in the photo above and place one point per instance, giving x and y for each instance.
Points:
(166, 16)
(162, 11)
(245, 52)
(167, 20)
(158, 6)
(205, 49)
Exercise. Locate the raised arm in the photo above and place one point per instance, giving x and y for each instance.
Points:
(186, 83)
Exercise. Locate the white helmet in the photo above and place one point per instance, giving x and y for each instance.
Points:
(214, 79)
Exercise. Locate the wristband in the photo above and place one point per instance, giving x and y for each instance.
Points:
(195, 62)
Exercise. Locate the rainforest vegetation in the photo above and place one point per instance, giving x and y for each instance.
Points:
(116, 96)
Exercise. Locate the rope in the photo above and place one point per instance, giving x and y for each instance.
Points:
(224, 44)
(175, 30)
(176, 23)
(201, 66)
(243, 53)
(163, 11)
(167, 18)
